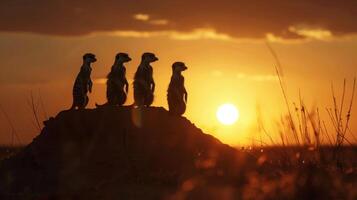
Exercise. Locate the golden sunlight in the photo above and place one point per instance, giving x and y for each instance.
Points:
(227, 114)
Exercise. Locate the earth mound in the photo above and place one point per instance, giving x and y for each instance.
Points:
(122, 153)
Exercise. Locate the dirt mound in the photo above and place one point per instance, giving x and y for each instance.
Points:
(125, 153)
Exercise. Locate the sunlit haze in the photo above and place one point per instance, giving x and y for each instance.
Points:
(227, 114)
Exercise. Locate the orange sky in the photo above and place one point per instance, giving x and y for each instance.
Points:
(228, 61)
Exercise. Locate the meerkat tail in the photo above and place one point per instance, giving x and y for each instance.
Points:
(98, 105)
(72, 107)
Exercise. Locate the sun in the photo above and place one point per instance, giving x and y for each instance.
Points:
(227, 114)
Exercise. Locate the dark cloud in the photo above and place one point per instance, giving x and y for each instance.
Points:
(237, 18)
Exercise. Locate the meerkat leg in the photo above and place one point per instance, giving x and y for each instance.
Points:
(173, 107)
(83, 103)
(114, 100)
(176, 104)
(149, 99)
(181, 108)
(110, 100)
(138, 98)
(77, 102)
(121, 98)
(139, 102)
(86, 101)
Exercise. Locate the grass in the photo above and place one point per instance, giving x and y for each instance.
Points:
(14, 134)
(302, 129)
(311, 161)
(35, 110)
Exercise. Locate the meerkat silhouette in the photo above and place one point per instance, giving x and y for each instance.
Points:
(144, 85)
(83, 83)
(117, 84)
(176, 93)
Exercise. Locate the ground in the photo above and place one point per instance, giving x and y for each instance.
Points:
(128, 153)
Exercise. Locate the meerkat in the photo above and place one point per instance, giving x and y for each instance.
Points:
(83, 83)
(176, 93)
(144, 85)
(117, 84)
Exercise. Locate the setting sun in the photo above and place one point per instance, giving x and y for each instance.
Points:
(227, 114)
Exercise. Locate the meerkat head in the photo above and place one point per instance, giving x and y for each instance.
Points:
(122, 58)
(89, 58)
(178, 67)
(148, 58)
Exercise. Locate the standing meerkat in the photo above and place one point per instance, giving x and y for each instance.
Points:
(176, 93)
(144, 85)
(83, 83)
(117, 84)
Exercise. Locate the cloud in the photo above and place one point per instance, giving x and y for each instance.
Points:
(192, 35)
(146, 18)
(159, 22)
(141, 17)
(314, 33)
(275, 19)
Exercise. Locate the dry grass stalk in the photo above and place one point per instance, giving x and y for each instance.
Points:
(14, 134)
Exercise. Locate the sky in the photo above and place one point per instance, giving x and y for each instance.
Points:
(223, 43)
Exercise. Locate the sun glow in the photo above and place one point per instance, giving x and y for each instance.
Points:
(227, 114)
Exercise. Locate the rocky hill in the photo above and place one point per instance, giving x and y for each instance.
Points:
(122, 153)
